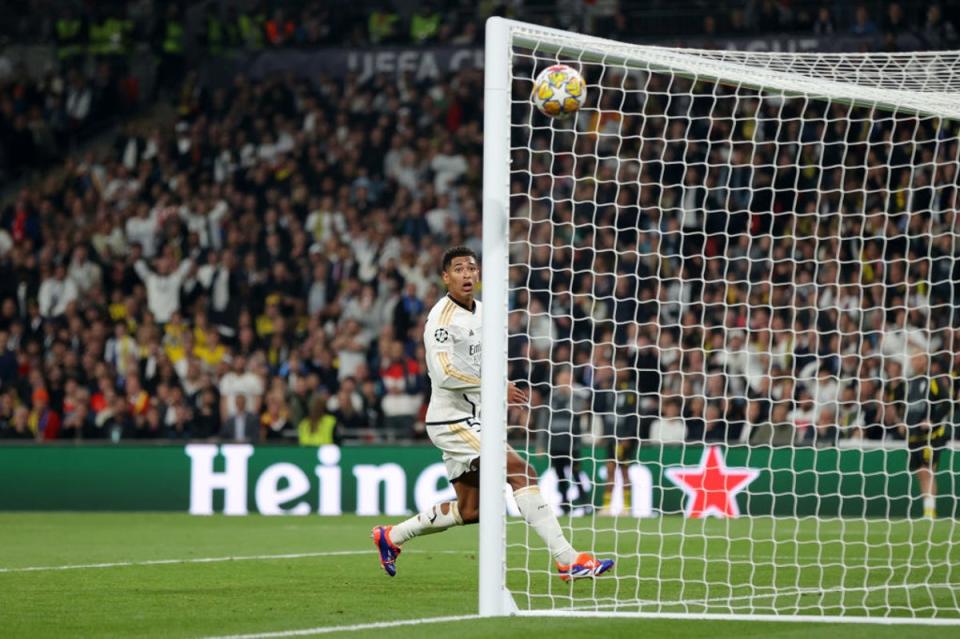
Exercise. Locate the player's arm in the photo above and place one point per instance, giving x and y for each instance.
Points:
(445, 369)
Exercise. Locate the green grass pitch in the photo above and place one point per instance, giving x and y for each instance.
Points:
(331, 577)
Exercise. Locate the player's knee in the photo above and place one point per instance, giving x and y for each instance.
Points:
(520, 473)
(469, 513)
(522, 479)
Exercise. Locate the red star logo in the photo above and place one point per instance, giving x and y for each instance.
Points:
(711, 487)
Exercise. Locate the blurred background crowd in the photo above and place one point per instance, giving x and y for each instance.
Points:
(259, 266)
(744, 267)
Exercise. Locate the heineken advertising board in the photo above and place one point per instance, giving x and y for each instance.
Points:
(240, 479)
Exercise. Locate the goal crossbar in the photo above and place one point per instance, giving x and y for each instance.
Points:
(928, 83)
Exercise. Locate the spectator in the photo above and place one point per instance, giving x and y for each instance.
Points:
(895, 22)
(347, 407)
(669, 428)
(241, 381)
(402, 400)
(862, 25)
(824, 24)
(43, 420)
(163, 285)
(242, 425)
(85, 273)
(938, 32)
(318, 428)
(19, 425)
(206, 417)
(448, 166)
(79, 102)
(57, 293)
(275, 421)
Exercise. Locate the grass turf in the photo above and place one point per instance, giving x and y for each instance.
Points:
(804, 566)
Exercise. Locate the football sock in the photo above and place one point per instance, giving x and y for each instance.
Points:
(929, 504)
(430, 521)
(539, 516)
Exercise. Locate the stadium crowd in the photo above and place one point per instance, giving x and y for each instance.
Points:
(735, 266)
(91, 83)
(261, 269)
(253, 271)
(113, 27)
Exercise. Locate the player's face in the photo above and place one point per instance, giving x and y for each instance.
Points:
(462, 276)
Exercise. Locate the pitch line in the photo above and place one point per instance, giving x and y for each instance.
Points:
(210, 560)
(323, 630)
(770, 595)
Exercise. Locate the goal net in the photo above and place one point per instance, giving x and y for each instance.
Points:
(729, 282)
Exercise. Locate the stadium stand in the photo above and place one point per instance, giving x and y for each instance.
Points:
(270, 255)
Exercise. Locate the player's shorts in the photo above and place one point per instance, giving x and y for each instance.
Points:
(460, 444)
(622, 449)
(925, 446)
(622, 439)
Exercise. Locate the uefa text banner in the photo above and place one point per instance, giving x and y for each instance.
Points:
(431, 63)
(694, 481)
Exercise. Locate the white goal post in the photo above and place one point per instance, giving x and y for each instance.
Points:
(731, 263)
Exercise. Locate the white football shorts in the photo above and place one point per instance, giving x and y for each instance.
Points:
(460, 444)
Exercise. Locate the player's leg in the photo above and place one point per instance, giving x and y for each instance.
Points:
(584, 496)
(612, 470)
(559, 464)
(921, 463)
(540, 516)
(927, 491)
(461, 454)
(926, 463)
(584, 489)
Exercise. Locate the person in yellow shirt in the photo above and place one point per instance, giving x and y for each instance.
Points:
(318, 428)
(212, 352)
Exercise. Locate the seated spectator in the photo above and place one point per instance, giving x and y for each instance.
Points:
(779, 430)
(669, 428)
(206, 415)
(240, 381)
(19, 425)
(824, 24)
(275, 421)
(402, 400)
(862, 25)
(242, 425)
(938, 32)
(44, 421)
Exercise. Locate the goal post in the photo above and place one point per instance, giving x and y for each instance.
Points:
(724, 281)
(494, 596)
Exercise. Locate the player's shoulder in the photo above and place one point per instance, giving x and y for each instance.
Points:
(442, 312)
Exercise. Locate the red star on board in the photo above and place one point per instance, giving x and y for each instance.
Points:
(711, 487)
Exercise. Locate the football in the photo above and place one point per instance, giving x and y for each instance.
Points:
(559, 91)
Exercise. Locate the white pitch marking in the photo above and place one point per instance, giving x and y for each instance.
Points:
(782, 593)
(211, 560)
(709, 616)
(323, 630)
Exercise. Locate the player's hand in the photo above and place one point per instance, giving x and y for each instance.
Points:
(516, 395)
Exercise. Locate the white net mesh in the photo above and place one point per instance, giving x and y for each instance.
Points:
(732, 290)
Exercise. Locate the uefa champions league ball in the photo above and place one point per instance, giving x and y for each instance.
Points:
(559, 91)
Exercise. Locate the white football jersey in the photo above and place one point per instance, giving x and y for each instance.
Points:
(452, 340)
